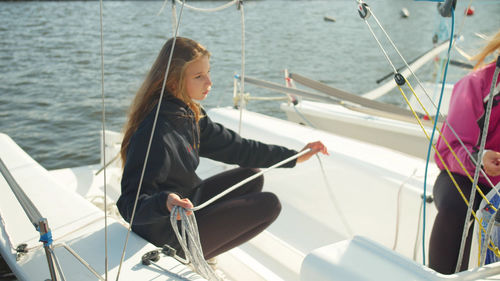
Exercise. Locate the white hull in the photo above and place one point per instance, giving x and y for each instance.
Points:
(394, 134)
(403, 136)
(376, 190)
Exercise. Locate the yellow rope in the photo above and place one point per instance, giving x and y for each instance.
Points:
(439, 154)
(445, 141)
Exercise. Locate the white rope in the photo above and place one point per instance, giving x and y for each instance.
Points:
(218, 196)
(334, 199)
(325, 178)
(415, 245)
(189, 239)
(208, 10)
(398, 209)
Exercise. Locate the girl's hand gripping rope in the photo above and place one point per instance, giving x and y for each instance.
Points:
(315, 147)
(174, 200)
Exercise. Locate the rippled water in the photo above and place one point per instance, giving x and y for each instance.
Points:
(50, 65)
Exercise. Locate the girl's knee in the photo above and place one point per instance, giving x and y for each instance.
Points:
(272, 204)
(257, 183)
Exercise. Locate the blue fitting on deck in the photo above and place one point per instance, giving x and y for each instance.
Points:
(46, 238)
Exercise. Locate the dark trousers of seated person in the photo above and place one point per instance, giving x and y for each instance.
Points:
(238, 216)
(446, 236)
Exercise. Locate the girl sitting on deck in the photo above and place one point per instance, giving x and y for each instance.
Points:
(183, 134)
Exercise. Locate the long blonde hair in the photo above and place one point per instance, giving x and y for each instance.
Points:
(492, 46)
(148, 95)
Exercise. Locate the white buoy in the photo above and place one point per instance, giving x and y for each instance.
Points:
(405, 13)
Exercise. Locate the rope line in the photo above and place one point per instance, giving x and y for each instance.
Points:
(334, 199)
(189, 239)
(235, 186)
(398, 209)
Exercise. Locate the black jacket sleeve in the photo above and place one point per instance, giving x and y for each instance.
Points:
(222, 144)
(151, 205)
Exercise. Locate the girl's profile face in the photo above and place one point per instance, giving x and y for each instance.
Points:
(197, 79)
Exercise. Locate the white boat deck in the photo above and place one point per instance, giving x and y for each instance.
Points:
(74, 222)
(376, 190)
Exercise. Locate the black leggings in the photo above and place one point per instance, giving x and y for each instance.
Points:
(446, 235)
(238, 216)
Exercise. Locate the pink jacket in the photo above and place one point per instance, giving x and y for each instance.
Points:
(466, 109)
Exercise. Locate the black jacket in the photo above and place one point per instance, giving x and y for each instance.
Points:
(177, 146)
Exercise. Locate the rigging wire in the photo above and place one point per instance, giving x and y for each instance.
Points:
(103, 116)
(478, 166)
(429, 147)
(242, 83)
(150, 141)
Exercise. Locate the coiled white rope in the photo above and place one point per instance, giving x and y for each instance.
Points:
(189, 239)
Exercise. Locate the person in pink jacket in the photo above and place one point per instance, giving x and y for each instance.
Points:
(466, 116)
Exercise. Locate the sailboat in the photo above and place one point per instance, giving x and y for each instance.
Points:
(355, 215)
